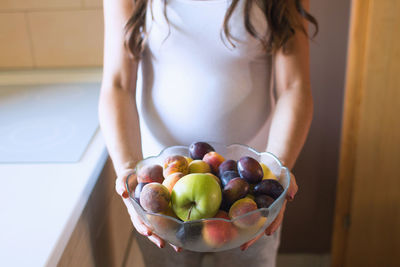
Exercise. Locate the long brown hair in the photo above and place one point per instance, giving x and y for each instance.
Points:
(284, 18)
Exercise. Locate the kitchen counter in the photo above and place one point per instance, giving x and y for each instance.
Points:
(40, 204)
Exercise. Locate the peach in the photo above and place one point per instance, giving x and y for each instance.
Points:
(162, 224)
(138, 190)
(267, 173)
(150, 174)
(218, 232)
(171, 180)
(214, 160)
(241, 207)
(199, 166)
(155, 197)
(175, 163)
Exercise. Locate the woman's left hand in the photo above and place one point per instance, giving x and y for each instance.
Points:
(292, 190)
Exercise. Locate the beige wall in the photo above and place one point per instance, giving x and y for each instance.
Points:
(50, 33)
(309, 219)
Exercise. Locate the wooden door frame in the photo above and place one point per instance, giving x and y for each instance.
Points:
(359, 21)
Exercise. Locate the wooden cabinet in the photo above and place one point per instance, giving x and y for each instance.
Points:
(103, 232)
(133, 257)
(367, 219)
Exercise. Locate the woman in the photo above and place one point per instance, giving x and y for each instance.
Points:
(206, 70)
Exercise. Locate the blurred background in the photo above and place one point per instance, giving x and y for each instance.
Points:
(347, 211)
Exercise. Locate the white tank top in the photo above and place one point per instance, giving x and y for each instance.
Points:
(194, 87)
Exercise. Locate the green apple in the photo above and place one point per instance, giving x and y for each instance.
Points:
(196, 196)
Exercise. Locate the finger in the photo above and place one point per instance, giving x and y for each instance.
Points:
(177, 249)
(120, 183)
(141, 227)
(277, 222)
(292, 190)
(249, 243)
(159, 242)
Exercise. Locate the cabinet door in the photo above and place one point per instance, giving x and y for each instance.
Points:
(367, 219)
(103, 231)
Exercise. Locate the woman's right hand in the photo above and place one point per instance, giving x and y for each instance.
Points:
(139, 225)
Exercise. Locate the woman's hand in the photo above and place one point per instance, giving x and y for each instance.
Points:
(139, 225)
(292, 190)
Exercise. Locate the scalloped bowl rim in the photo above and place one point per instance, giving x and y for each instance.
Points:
(212, 219)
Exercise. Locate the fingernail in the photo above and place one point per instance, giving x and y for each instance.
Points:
(160, 245)
(125, 194)
(145, 231)
(243, 248)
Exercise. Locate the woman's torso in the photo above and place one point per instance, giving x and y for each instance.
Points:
(193, 87)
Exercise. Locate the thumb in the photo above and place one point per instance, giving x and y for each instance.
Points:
(120, 183)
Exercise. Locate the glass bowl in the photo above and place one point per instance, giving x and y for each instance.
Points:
(214, 234)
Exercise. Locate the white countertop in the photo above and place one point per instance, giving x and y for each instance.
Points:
(41, 203)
